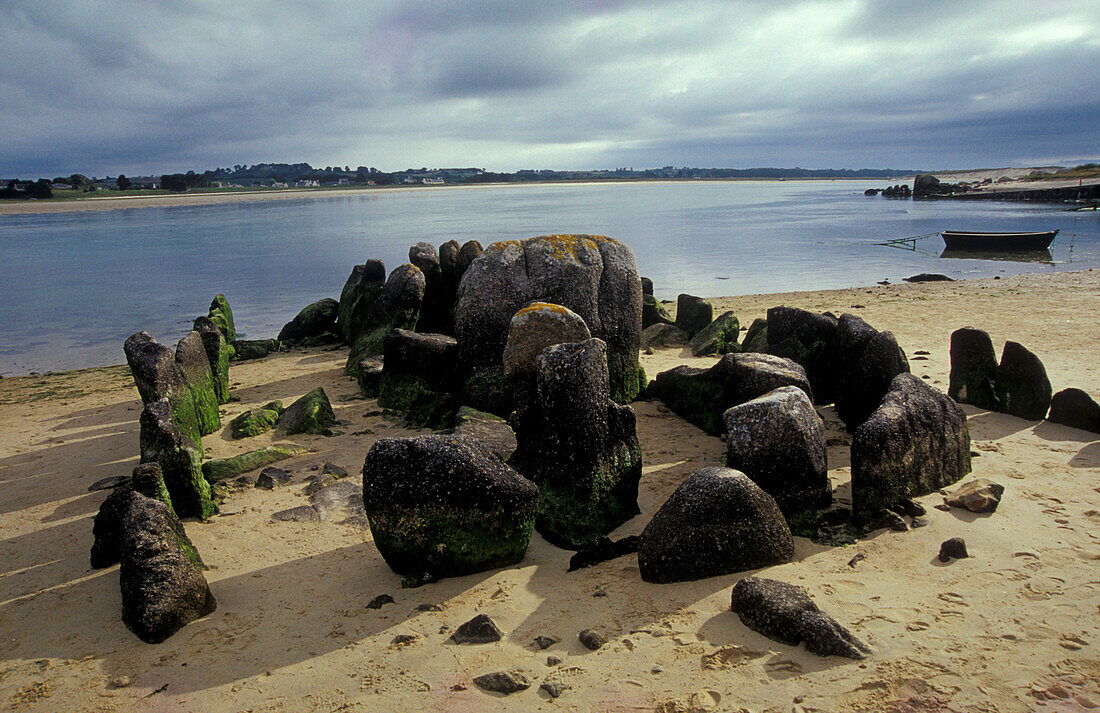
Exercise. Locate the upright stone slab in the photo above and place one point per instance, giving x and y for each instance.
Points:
(180, 461)
(693, 314)
(973, 378)
(716, 522)
(315, 320)
(360, 291)
(198, 386)
(718, 337)
(592, 275)
(867, 361)
(778, 441)
(433, 317)
(1023, 388)
(915, 442)
(397, 307)
(419, 378)
(445, 506)
(107, 526)
(578, 446)
(701, 396)
(162, 591)
(808, 338)
(222, 315)
(218, 353)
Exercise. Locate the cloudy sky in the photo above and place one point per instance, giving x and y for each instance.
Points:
(150, 87)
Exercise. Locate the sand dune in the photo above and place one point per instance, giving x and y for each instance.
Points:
(1013, 628)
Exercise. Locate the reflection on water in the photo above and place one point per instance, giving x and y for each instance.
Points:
(1040, 256)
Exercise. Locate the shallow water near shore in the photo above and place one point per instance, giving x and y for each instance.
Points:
(73, 286)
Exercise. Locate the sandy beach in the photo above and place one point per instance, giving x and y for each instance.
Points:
(1013, 628)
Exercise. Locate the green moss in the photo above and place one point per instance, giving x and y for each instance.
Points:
(446, 543)
(188, 490)
(253, 423)
(756, 338)
(423, 407)
(804, 524)
(185, 414)
(222, 468)
(718, 337)
(222, 316)
(622, 373)
(254, 348)
(310, 414)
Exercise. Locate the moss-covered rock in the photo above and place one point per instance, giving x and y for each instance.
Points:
(369, 376)
(199, 388)
(653, 312)
(693, 314)
(218, 353)
(578, 446)
(718, 337)
(311, 413)
(221, 468)
(397, 307)
(256, 421)
(222, 316)
(490, 429)
(245, 349)
(419, 378)
(663, 335)
(756, 337)
(180, 461)
(107, 526)
(445, 506)
(360, 291)
(487, 390)
(313, 321)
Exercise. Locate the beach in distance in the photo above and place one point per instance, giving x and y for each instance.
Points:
(1013, 628)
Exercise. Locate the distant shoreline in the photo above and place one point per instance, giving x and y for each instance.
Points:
(79, 205)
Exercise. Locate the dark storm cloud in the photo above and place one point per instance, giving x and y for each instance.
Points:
(140, 87)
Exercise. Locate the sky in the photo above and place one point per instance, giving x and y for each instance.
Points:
(149, 87)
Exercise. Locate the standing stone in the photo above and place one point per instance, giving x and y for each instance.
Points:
(153, 366)
(716, 522)
(222, 317)
(107, 526)
(419, 378)
(778, 440)
(180, 461)
(311, 413)
(693, 314)
(867, 362)
(653, 312)
(973, 378)
(534, 328)
(647, 286)
(1023, 388)
(360, 291)
(397, 307)
(446, 506)
(217, 353)
(701, 396)
(315, 320)
(809, 339)
(915, 442)
(162, 590)
(1075, 408)
(198, 385)
(578, 446)
(433, 312)
(592, 275)
(756, 337)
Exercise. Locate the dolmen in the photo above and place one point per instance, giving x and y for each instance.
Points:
(445, 506)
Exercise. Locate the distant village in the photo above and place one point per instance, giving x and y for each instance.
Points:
(302, 175)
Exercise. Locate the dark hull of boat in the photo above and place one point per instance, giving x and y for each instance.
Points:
(959, 240)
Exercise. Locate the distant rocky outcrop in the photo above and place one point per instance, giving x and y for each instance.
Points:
(925, 185)
(716, 522)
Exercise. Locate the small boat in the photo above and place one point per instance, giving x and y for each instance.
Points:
(971, 240)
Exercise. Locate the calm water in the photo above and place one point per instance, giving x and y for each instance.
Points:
(73, 286)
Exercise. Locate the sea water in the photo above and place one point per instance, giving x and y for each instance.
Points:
(74, 285)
